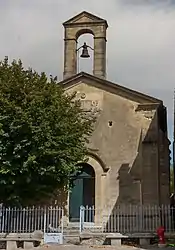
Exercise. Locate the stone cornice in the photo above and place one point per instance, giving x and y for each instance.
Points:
(147, 107)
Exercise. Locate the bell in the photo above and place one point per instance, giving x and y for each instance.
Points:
(85, 53)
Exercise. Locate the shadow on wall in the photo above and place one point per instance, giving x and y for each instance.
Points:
(146, 182)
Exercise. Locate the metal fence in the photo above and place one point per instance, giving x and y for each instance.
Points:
(30, 219)
(123, 219)
(128, 219)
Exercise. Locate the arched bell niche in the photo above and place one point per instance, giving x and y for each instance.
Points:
(85, 64)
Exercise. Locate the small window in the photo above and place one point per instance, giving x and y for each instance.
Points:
(110, 123)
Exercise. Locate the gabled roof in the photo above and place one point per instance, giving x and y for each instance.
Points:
(84, 16)
(111, 87)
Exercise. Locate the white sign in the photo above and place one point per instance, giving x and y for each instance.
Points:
(53, 238)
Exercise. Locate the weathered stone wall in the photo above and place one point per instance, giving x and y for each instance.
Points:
(127, 140)
(164, 168)
(149, 155)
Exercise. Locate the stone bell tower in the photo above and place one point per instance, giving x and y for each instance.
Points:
(74, 28)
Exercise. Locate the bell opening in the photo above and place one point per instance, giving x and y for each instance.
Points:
(85, 58)
(85, 53)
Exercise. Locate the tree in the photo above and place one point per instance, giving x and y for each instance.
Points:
(43, 134)
(171, 180)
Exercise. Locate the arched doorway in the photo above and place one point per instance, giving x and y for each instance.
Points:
(83, 191)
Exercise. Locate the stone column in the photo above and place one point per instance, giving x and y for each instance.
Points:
(70, 58)
(100, 57)
(98, 208)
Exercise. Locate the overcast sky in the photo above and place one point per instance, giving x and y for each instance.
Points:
(140, 47)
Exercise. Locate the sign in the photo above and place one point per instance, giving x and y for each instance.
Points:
(53, 238)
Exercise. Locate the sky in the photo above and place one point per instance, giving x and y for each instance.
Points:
(140, 40)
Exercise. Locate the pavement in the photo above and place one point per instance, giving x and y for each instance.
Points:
(105, 247)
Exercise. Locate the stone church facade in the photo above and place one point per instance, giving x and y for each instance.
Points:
(128, 160)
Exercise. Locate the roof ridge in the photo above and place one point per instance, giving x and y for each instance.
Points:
(113, 85)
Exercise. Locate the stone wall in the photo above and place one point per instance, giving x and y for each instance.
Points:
(128, 141)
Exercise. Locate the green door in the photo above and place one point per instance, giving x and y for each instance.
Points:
(76, 200)
(82, 193)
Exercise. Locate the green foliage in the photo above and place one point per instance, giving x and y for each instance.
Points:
(43, 134)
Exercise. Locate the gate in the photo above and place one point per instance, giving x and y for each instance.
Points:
(87, 217)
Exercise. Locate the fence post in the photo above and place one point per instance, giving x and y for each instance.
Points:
(82, 209)
(141, 213)
(62, 220)
(45, 221)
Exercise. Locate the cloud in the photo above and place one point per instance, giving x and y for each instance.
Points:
(152, 3)
(140, 47)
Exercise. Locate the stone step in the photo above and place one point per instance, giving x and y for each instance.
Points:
(71, 233)
(77, 232)
(71, 240)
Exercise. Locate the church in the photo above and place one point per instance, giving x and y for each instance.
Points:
(128, 159)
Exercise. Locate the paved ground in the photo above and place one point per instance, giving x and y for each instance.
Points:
(72, 247)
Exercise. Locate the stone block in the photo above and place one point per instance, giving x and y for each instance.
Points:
(28, 244)
(38, 234)
(116, 242)
(162, 245)
(11, 245)
(144, 241)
